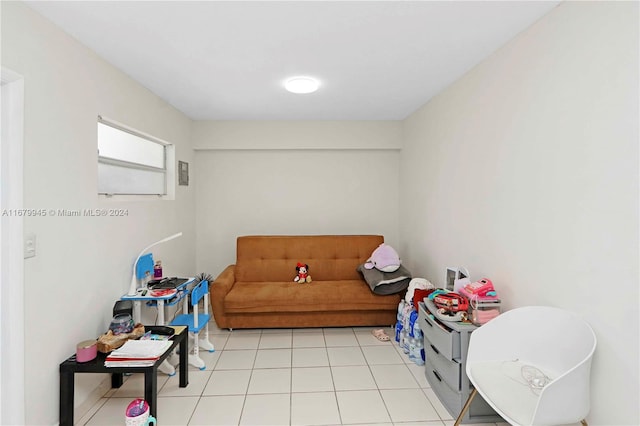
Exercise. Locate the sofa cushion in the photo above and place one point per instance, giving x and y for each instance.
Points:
(343, 295)
(273, 258)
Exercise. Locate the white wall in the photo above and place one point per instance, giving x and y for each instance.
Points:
(293, 178)
(83, 264)
(526, 171)
(297, 135)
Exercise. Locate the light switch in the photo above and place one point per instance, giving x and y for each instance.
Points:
(29, 246)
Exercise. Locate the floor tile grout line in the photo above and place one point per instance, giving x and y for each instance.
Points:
(244, 402)
(377, 384)
(291, 383)
(359, 344)
(333, 383)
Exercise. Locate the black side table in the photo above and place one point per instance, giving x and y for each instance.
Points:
(70, 366)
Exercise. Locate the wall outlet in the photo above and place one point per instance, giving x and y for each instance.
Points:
(29, 245)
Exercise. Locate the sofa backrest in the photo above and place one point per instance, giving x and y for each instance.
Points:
(330, 257)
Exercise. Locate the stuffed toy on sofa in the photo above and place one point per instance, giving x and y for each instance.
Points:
(384, 258)
(303, 273)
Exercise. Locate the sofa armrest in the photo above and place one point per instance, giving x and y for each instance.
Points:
(219, 289)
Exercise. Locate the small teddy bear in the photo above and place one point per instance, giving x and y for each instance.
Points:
(303, 273)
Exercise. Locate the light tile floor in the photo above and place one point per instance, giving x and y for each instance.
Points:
(318, 376)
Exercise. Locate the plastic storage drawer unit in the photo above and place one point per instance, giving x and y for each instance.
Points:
(445, 347)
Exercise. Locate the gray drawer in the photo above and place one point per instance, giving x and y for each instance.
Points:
(448, 370)
(451, 399)
(479, 411)
(447, 341)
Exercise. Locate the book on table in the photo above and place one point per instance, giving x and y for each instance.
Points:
(137, 353)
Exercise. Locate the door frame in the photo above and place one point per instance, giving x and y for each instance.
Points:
(12, 371)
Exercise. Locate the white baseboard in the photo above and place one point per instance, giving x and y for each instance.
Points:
(88, 407)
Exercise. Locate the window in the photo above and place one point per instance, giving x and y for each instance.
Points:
(130, 162)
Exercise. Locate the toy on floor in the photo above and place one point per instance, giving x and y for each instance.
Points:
(303, 273)
(138, 413)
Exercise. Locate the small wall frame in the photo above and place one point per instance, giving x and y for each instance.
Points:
(183, 173)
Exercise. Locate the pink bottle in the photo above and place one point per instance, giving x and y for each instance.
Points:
(157, 270)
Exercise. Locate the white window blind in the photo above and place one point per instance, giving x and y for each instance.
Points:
(130, 162)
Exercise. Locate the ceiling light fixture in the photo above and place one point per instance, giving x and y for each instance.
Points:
(301, 85)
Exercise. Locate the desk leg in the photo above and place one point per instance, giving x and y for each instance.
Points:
(161, 312)
(66, 398)
(167, 368)
(206, 343)
(137, 316)
(151, 390)
(116, 380)
(197, 362)
(184, 357)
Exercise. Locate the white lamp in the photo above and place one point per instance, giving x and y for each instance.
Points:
(134, 281)
(301, 85)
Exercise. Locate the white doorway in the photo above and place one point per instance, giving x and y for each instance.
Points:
(12, 392)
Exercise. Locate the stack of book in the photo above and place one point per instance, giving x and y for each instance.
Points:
(137, 353)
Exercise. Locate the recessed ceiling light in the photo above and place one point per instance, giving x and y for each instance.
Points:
(302, 85)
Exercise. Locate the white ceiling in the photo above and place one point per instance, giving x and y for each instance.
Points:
(214, 60)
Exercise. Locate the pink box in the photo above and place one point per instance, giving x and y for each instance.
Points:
(86, 351)
(482, 314)
(473, 297)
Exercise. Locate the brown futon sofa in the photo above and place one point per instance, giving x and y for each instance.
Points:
(258, 291)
